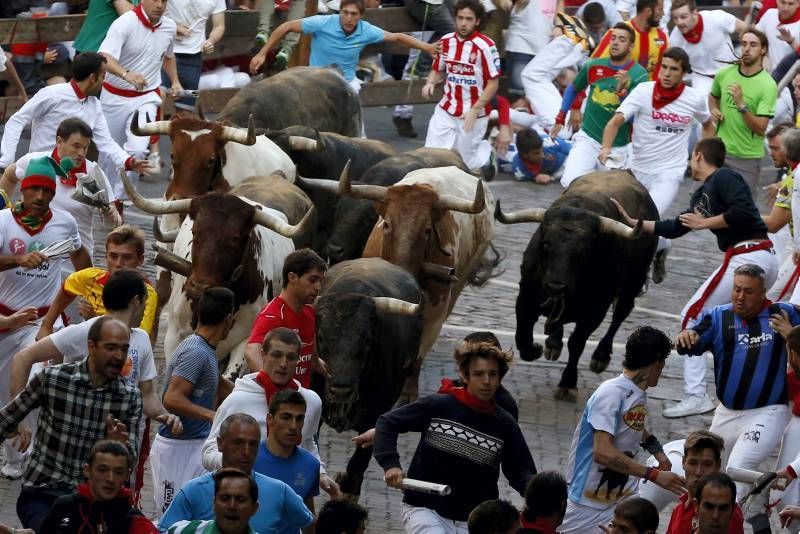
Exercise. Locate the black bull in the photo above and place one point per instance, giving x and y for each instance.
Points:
(581, 260)
(369, 345)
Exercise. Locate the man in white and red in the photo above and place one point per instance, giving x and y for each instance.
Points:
(138, 44)
(303, 271)
(29, 280)
(470, 66)
(706, 37)
(781, 25)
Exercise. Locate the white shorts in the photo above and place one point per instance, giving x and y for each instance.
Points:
(782, 289)
(582, 158)
(173, 463)
(750, 436)
(581, 519)
(446, 131)
(418, 520)
(662, 187)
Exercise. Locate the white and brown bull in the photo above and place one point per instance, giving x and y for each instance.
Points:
(436, 224)
(224, 240)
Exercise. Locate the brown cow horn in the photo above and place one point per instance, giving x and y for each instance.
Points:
(331, 186)
(367, 192)
(172, 262)
(164, 237)
(281, 227)
(450, 202)
(300, 143)
(612, 226)
(239, 135)
(149, 128)
(384, 305)
(522, 216)
(153, 206)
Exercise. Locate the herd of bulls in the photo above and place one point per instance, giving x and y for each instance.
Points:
(403, 233)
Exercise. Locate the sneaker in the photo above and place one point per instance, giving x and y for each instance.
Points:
(11, 471)
(261, 39)
(691, 405)
(489, 171)
(660, 265)
(281, 60)
(404, 127)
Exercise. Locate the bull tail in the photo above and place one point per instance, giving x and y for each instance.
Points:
(488, 267)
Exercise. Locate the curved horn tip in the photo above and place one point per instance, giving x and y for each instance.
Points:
(498, 213)
(344, 179)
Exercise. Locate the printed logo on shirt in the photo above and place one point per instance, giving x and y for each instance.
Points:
(754, 341)
(635, 417)
(36, 246)
(670, 117)
(299, 481)
(17, 246)
(464, 69)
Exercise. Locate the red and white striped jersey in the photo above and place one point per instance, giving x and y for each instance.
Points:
(468, 65)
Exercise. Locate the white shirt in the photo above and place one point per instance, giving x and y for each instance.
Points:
(193, 14)
(714, 50)
(45, 111)
(2, 60)
(778, 49)
(35, 287)
(63, 200)
(139, 49)
(530, 28)
(796, 208)
(71, 343)
(618, 407)
(661, 136)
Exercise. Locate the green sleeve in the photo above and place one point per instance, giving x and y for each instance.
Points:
(769, 96)
(581, 81)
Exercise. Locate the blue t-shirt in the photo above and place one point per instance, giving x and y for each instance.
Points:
(280, 510)
(300, 471)
(555, 154)
(330, 45)
(195, 361)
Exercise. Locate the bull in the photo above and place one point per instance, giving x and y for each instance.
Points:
(436, 224)
(368, 331)
(354, 217)
(309, 96)
(226, 240)
(325, 161)
(581, 260)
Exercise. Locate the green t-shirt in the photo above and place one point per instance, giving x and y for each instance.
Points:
(99, 16)
(603, 100)
(760, 94)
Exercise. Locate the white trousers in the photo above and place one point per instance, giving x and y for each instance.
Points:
(11, 343)
(750, 436)
(446, 131)
(790, 450)
(418, 520)
(787, 267)
(119, 112)
(173, 463)
(662, 188)
(694, 368)
(582, 158)
(539, 73)
(581, 519)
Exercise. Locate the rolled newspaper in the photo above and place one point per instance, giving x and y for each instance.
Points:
(425, 487)
(740, 474)
(91, 189)
(59, 249)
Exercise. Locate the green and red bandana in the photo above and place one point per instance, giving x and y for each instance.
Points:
(33, 224)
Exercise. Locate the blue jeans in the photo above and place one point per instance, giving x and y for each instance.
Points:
(190, 66)
(515, 62)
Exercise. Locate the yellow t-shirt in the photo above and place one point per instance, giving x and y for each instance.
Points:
(784, 197)
(88, 283)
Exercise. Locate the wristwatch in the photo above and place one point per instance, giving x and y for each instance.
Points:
(743, 108)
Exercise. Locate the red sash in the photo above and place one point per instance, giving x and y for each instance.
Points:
(127, 93)
(697, 306)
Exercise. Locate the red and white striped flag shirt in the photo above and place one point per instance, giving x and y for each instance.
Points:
(468, 65)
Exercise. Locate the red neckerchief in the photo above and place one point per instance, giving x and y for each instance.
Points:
(539, 524)
(29, 222)
(80, 94)
(532, 168)
(790, 20)
(270, 389)
(466, 398)
(144, 19)
(693, 36)
(72, 177)
(663, 96)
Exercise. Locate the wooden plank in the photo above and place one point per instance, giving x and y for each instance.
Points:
(231, 47)
(392, 19)
(395, 92)
(48, 29)
(238, 23)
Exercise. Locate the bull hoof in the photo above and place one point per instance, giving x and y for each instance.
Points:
(566, 394)
(552, 351)
(534, 353)
(598, 366)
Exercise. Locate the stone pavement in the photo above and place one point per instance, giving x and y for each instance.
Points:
(548, 424)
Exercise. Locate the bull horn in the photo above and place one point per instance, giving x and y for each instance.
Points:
(238, 135)
(439, 272)
(612, 226)
(385, 305)
(329, 186)
(367, 192)
(449, 202)
(149, 128)
(153, 206)
(522, 216)
(172, 262)
(300, 143)
(281, 227)
(163, 237)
